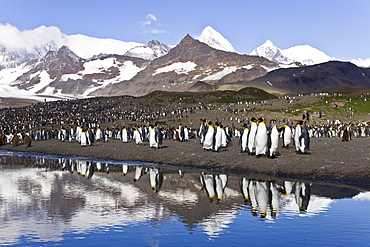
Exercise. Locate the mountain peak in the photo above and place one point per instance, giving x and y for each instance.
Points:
(215, 40)
(304, 54)
(268, 43)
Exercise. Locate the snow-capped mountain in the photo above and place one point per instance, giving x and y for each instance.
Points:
(45, 62)
(215, 40)
(153, 50)
(16, 44)
(304, 54)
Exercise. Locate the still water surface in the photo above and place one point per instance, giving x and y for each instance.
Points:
(53, 200)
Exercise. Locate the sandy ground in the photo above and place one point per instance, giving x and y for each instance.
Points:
(330, 158)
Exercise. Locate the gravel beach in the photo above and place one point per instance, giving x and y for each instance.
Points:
(330, 158)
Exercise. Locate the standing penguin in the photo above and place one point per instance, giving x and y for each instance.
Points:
(218, 137)
(209, 138)
(202, 130)
(273, 139)
(27, 140)
(243, 141)
(158, 136)
(137, 137)
(304, 140)
(261, 138)
(152, 138)
(286, 135)
(346, 135)
(83, 137)
(252, 136)
(297, 134)
(124, 134)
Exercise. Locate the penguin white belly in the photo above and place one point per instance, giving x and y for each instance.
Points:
(83, 139)
(274, 141)
(152, 141)
(252, 138)
(218, 139)
(245, 140)
(124, 135)
(208, 140)
(261, 140)
(287, 136)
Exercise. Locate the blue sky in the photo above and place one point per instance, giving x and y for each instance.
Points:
(340, 28)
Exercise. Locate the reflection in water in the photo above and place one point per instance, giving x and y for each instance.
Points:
(57, 195)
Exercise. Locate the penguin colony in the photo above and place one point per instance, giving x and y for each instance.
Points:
(82, 120)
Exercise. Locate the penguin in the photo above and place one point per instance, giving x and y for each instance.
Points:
(346, 136)
(304, 140)
(137, 137)
(15, 140)
(152, 137)
(286, 135)
(202, 130)
(218, 137)
(261, 138)
(124, 135)
(98, 134)
(252, 136)
(27, 140)
(90, 137)
(243, 140)
(83, 138)
(181, 132)
(273, 139)
(297, 134)
(209, 138)
(158, 136)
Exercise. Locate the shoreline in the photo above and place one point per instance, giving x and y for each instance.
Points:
(330, 160)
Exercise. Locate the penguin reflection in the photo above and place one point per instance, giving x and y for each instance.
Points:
(302, 195)
(155, 178)
(261, 195)
(214, 185)
(138, 173)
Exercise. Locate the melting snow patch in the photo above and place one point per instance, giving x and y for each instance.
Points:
(179, 68)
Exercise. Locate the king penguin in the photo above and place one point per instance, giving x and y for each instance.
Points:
(244, 138)
(261, 138)
(304, 140)
(273, 139)
(252, 136)
(209, 138)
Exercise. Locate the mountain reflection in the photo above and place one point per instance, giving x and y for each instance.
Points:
(81, 195)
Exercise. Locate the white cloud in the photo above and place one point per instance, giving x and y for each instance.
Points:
(147, 25)
(151, 17)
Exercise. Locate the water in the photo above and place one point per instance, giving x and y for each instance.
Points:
(45, 200)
